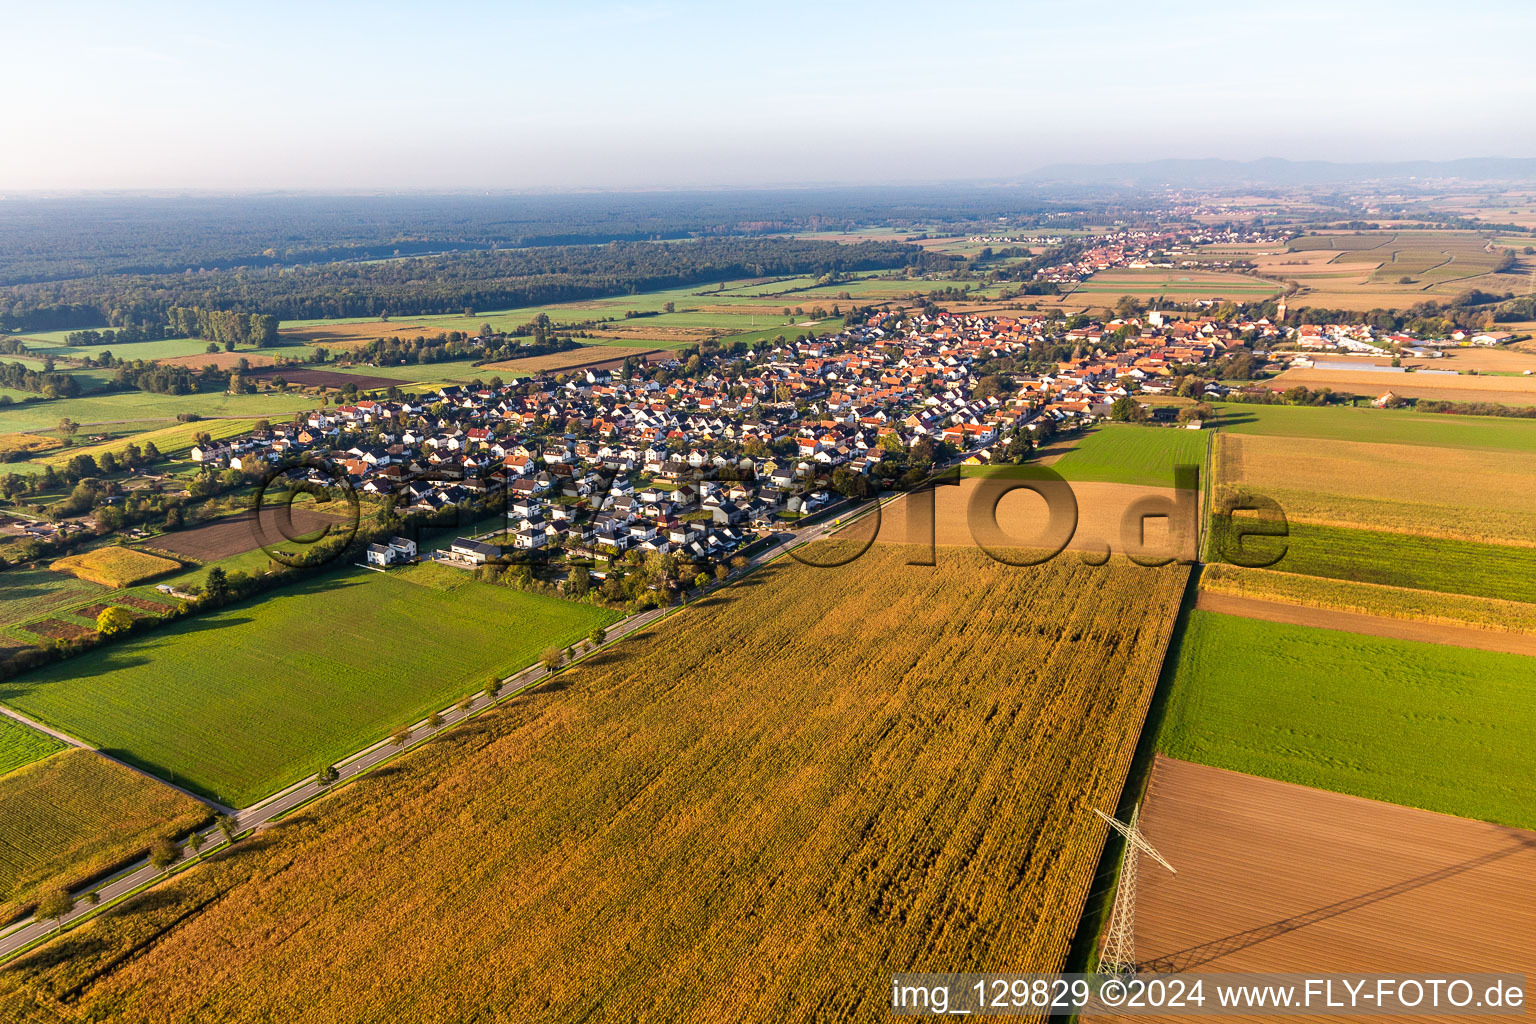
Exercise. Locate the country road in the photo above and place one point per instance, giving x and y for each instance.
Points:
(22, 934)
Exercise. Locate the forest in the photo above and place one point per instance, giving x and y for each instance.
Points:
(451, 283)
(51, 239)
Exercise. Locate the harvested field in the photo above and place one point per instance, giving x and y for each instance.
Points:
(1368, 625)
(342, 336)
(222, 360)
(1404, 488)
(74, 815)
(1460, 387)
(115, 566)
(1279, 877)
(307, 377)
(1022, 516)
(233, 535)
(590, 357)
(728, 816)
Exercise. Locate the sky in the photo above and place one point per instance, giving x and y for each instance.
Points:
(453, 95)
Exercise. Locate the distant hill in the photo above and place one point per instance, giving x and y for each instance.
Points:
(1276, 171)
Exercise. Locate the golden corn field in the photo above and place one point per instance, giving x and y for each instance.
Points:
(115, 566)
(756, 811)
(71, 816)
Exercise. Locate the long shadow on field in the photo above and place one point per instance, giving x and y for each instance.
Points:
(1206, 952)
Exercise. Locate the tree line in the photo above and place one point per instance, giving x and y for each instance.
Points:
(222, 326)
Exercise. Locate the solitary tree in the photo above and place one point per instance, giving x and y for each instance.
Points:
(401, 736)
(466, 704)
(195, 841)
(492, 688)
(113, 620)
(327, 775)
(434, 720)
(551, 658)
(163, 853)
(55, 905)
(227, 825)
(598, 636)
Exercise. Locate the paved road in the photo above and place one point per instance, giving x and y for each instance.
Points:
(22, 933)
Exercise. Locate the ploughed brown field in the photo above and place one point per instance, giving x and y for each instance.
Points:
(1278, 877)
(235, 534)
(755, 811)
(307, 377)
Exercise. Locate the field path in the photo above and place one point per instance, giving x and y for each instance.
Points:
(1370, 625)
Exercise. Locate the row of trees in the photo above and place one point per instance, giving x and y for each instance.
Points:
(45, 382)
(222, 326)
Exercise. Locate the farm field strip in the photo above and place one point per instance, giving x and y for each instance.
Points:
(1118, 453)
(1458, 388)
(1385, 426)
(1366, 624)
(1424, 725)
(1370, 599)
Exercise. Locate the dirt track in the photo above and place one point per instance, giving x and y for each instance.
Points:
(1370, 625)
(1279, 877)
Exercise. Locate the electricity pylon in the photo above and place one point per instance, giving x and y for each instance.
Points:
(1119, 953)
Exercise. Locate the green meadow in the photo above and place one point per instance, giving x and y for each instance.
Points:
(237, 703)
(1426, 725)
(146, 407)
(1386, 426)
(1129, 454)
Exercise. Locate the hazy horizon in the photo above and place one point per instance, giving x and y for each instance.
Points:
(470, 97)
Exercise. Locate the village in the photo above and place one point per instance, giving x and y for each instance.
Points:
(598, 463)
